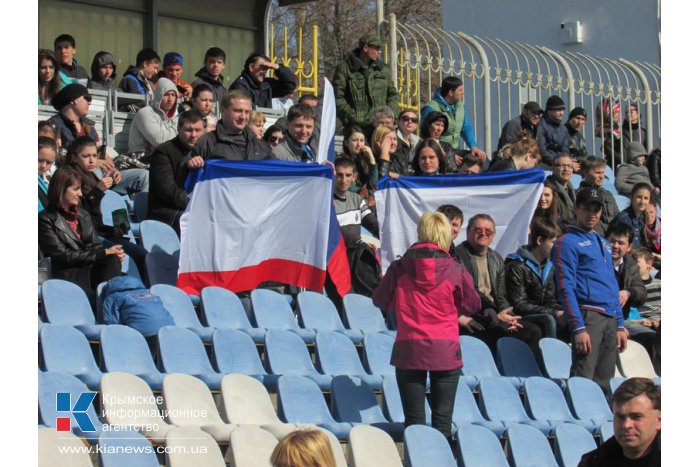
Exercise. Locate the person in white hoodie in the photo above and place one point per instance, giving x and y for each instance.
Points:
(156, 123)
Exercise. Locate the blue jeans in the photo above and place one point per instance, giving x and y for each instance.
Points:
(133, 181)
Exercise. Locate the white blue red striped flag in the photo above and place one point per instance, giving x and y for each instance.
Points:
(509, 197)
(326, 140)
(249, 222)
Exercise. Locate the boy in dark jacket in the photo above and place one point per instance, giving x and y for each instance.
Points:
(552, 136)
(530, 279)
(211, 72)
(137, 78)
(104, 69)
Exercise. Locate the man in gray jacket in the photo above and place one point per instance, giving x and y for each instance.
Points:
(297, 136)
(629, 174)
(156, 123)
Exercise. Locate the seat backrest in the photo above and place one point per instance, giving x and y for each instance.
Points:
(125, 349)
(181, 351)
(188, 446)
(391, 401)
(369, 446)
(606, 431)
(63, 302)
(318, 312)
(352, 400)
(245, 401)
(161, 268)
(545, 401)
(514, 358)
(287, 354)
(425, 446)
(235, 352)
(477, 358)
(60, 449)
(377, 353)
(185, 395)
(500, 400)
(571, 442)
(361, 314)
(635, 361)
(66, 350)
(272, 311)
(223, 309)
(52, 383)
(251, 446)
(336, 354)
(556, 357)
(158, 236)
(178, 304)
(466, 410)
(479, 447)
(527, 446)
(111, 201)
(587, 400)
(299, 400)
(118, 391)
(126, 448)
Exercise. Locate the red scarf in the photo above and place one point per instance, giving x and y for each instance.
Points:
(71, 216)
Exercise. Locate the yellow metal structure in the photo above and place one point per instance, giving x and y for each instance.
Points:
(303, 63)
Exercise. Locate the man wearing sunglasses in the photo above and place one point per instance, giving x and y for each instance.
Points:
(487, 268)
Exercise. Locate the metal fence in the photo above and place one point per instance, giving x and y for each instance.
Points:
(500, 76)
(295, 53)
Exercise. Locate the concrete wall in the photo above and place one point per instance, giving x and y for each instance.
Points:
(612, 28)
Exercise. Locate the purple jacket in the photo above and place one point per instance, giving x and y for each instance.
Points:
(427, 290)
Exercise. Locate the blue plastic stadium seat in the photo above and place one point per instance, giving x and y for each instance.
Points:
(50, 384)
(528, 447)
(353, 401)
(479, 447)
(466, 412)
(426, 447)
(514, 358)
(180, 307)
(571, 442)
(66, 350)
(299, 400)
(287, 355)
(545, 401)
(336, 355)
(64, 302)
(556, 357)
(111, 201)
(224, 310)
(125, 349)
(318, 312)
(126, 448)
(587, 400)
(161, 268)
(478, 362)
(140, 201)
(606, 431)
(272, 311)
(377, 354)
(362, 315)
(181, 351)
(500, 401)
(575, 181)
(158, 236)
(234, 352)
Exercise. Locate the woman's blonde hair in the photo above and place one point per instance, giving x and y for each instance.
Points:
(378, 136)
(303, 448)
(257, 117)
(434, 227)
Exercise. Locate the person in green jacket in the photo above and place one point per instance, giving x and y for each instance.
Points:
(362, 83)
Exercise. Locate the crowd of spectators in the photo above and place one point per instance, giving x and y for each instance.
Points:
(185, 124)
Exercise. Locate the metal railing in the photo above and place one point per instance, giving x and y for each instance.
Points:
(304, 63)
(501, 76)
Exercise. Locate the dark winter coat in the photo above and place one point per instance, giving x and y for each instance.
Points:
(167, 174)
(530, 285)
(552, 138)
(262, 93)
(217, 84)
(218, 144)
(466, 256)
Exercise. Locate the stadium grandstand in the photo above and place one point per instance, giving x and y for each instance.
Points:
(198, 301)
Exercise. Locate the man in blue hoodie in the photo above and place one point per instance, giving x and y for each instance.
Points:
(587, 289)
(448, 99)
